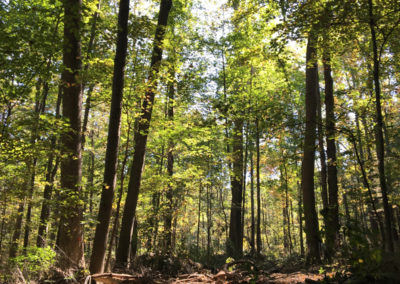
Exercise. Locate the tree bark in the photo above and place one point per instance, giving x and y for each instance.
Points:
(198, 220)
(235, 241)
(170, 165)
(120, 191)
(253, 225)
(244, 179)
(71, 236)
(140, 138)
(300, 212)
(287, 204)
(209, 220)
(258, 185)
(322, 158)
(380, 146)
(307, 180)
(332, 231)
(110, 169)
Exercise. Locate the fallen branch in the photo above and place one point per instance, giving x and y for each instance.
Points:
(115, 278)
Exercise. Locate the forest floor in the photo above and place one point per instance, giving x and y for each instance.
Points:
(162, 269)
(220, 277)
(166, 270)
(151, 269)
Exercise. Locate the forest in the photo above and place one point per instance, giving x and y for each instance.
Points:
(199, 141)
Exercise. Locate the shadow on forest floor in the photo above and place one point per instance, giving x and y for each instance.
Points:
(219, 269)
(177, 270)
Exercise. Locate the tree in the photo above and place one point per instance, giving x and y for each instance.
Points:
(70, 234)
(110, 168)
(307, 166)
(380, 146)
(332, 230)
(235, 241)
(140, 138)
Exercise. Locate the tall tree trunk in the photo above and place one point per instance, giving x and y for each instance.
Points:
(221, 201)
(110, 168)
(253, 225)
(258, 185)
(332, 231)
(287, 204)
(235, 241)
(209, 221)
(244, 179)
(120, 191)
(300, 212)
(70, 236)
(170, 165)
(292, 224)
(322, 158)
(155, 203)
(380, 147)
(307, 169)
(198, 221)
(140, 138)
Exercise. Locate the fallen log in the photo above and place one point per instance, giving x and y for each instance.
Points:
(115, 278)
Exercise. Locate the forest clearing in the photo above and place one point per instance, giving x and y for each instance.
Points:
(199, 141)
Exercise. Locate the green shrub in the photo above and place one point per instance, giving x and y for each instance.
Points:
(35, 262)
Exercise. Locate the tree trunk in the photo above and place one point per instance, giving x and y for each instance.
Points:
(235, 241)
(244, 179)
(90, 188)
(380, 147)
(300, 212)
(209, 221)
(120, 191)
(258, 185)
(71, 236)
(292, 224)
(140, 138)
(307, 180)
(289, 234)
(170, 165)
(198, 221)
(332, 232)
(253, 225)
(322, 158)
(110, 168)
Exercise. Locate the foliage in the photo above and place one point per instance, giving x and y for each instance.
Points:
(36, 262)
